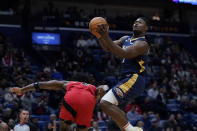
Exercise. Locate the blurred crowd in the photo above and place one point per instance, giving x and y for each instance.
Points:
(169, 102)
(73, 16)
(165, 20)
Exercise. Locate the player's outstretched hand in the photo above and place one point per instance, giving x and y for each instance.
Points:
(16, 90)
(102, 29)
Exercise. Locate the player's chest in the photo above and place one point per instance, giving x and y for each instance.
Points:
(127, 43)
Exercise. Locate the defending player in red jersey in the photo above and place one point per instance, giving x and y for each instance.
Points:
(79, 100)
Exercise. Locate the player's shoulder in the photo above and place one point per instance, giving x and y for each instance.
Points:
(74, 83)
(141, 43)
(90, 85)
(86, 84)
(81, 83)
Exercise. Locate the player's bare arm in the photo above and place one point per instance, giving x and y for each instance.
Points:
(106, 47)
(139, 48)
(120, 41)
(103, 45)
(48, 85)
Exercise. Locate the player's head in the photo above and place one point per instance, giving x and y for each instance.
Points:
(82, 77)
(101, 90)
(140, 25)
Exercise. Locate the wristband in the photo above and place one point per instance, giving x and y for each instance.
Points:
(36, 86)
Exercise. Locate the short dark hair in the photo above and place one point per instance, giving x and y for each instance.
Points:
(147, 21)
(23, 109)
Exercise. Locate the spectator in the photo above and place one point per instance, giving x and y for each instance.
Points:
(26, 68)
(56, 75)
(175, 86)
(3, 126)
(11, 124)
(141, 125)
(153, 91)
(147, 123)
(162, 97)
(137, 107)
(133, 115)
(155, 125)
(156, 17)
(158, 40)
(9, 98)
(91, 42)
(55, 101)
(94, 126)
(47, 69)
(7, 60)
(23, 121)
(34, 124)
(183, 124)
(39, 107)
(52, 125)
(7, 115)
(185, 105)
(147, 105)
(112, 126)
(27, 101)
(193, 106)
(171, 122)
(81, 42)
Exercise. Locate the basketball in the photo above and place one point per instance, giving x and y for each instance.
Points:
(94, 23)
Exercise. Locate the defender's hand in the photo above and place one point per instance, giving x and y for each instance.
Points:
(16, 90)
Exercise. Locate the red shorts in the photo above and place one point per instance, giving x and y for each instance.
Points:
(83, 103)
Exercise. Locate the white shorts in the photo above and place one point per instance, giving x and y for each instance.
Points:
(109, 96)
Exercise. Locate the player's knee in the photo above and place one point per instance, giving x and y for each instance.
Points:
(104, 105)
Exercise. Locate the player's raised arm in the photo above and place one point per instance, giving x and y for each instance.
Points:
(139, 48)
(106, 47)
(93, 29)
(48, 85)
(103, 45)
(120, 41)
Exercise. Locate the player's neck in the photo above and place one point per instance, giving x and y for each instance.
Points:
(138, 35)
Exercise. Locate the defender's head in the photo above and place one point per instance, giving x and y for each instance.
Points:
(101, 90)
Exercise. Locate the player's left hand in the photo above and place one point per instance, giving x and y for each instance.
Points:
(16, 90)
(102, 29)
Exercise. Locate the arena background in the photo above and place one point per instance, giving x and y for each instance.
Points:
(49, 39)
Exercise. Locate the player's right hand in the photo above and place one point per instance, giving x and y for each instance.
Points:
(95, 33)
(16, 90)
(102, 29)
